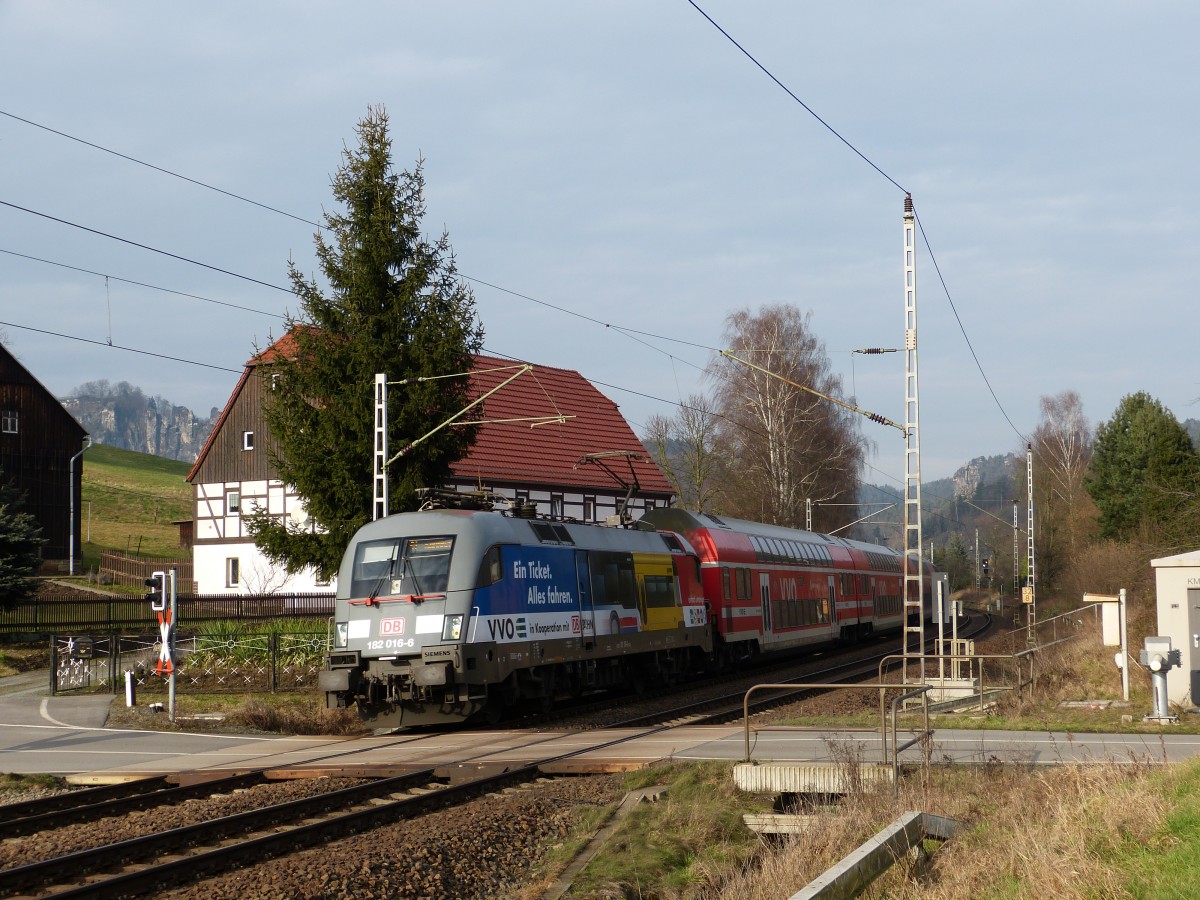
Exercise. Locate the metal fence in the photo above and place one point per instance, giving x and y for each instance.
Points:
(109, 614)
(210, 664)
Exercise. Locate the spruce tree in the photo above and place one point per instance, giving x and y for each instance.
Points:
(1144, 469)
(20, 546)
(394, 304)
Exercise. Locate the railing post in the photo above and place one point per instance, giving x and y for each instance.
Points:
(53, 664)
(981, 679)
(273, 656)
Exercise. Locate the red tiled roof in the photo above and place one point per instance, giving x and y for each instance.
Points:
(550, 453)
(507, 452)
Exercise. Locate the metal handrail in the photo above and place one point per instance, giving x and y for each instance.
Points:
(879, 686)
(923, 691)
(971, 658)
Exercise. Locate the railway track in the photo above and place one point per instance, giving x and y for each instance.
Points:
(727, 705)
(174, 856)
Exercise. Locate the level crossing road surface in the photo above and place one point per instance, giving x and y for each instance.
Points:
(65, 736)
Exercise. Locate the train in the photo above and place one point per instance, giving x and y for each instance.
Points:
(459, 612)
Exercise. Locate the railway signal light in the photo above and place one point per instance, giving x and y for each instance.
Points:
(985, 567)
(158, 591)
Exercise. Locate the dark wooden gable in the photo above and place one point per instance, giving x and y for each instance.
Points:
(225, 456)
(38, 439)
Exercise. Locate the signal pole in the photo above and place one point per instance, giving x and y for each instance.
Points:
(914, 620)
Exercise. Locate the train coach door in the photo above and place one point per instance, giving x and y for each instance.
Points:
(587, 614)
(764, 589)
(833, 610)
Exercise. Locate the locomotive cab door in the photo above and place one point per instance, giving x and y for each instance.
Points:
(587, 613)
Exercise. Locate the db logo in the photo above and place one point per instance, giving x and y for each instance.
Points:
(391, 626)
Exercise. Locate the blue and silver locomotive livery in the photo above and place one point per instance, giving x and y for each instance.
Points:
(446, 614)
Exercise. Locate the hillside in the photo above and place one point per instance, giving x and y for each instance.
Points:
(979, 495)
(130, 502)
(121, 415)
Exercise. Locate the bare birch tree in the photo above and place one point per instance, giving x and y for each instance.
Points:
(783, 445)
(1062, 452)
(685, 448)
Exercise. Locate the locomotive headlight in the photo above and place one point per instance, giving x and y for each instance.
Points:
(452, 627)
(341, 632)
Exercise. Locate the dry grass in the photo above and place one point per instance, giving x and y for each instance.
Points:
(257, 715)
(283, 713)
(1047, 832)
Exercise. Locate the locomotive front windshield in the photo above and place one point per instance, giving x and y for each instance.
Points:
(407, 566)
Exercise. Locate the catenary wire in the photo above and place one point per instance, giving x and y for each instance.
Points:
(72, 337)
(114, 237)
(874, 166)
(153, 287)
(627, 331)
(140, 162)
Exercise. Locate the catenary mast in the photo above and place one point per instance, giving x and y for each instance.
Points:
(914, 620)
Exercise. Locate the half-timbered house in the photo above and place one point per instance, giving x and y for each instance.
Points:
(549, 438)
(41, 448)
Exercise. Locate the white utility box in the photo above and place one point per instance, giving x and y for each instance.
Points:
(1177, 586)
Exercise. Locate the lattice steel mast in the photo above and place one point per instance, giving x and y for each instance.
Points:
(913, 618)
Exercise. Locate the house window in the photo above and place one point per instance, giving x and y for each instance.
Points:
(233, 503)
(589, 509)
(556, 506)
(10, 421)
(247, 440)
(233, 573)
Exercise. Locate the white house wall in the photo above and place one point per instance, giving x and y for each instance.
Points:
(221, 536)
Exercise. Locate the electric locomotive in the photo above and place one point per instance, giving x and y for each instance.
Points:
(446, 614)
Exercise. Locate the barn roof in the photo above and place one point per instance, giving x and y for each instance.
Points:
(551, 453)
(13, 372)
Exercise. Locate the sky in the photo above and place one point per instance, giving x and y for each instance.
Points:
(608, 167)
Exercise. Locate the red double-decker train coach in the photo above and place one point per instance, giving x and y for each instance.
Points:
(776, 589)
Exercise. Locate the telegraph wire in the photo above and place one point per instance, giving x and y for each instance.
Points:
(72, 337)
(114, 237)
(153, 287)
(629, 332)
(586, 318)
(140, 162)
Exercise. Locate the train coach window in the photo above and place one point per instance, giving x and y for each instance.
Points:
(743, 585)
